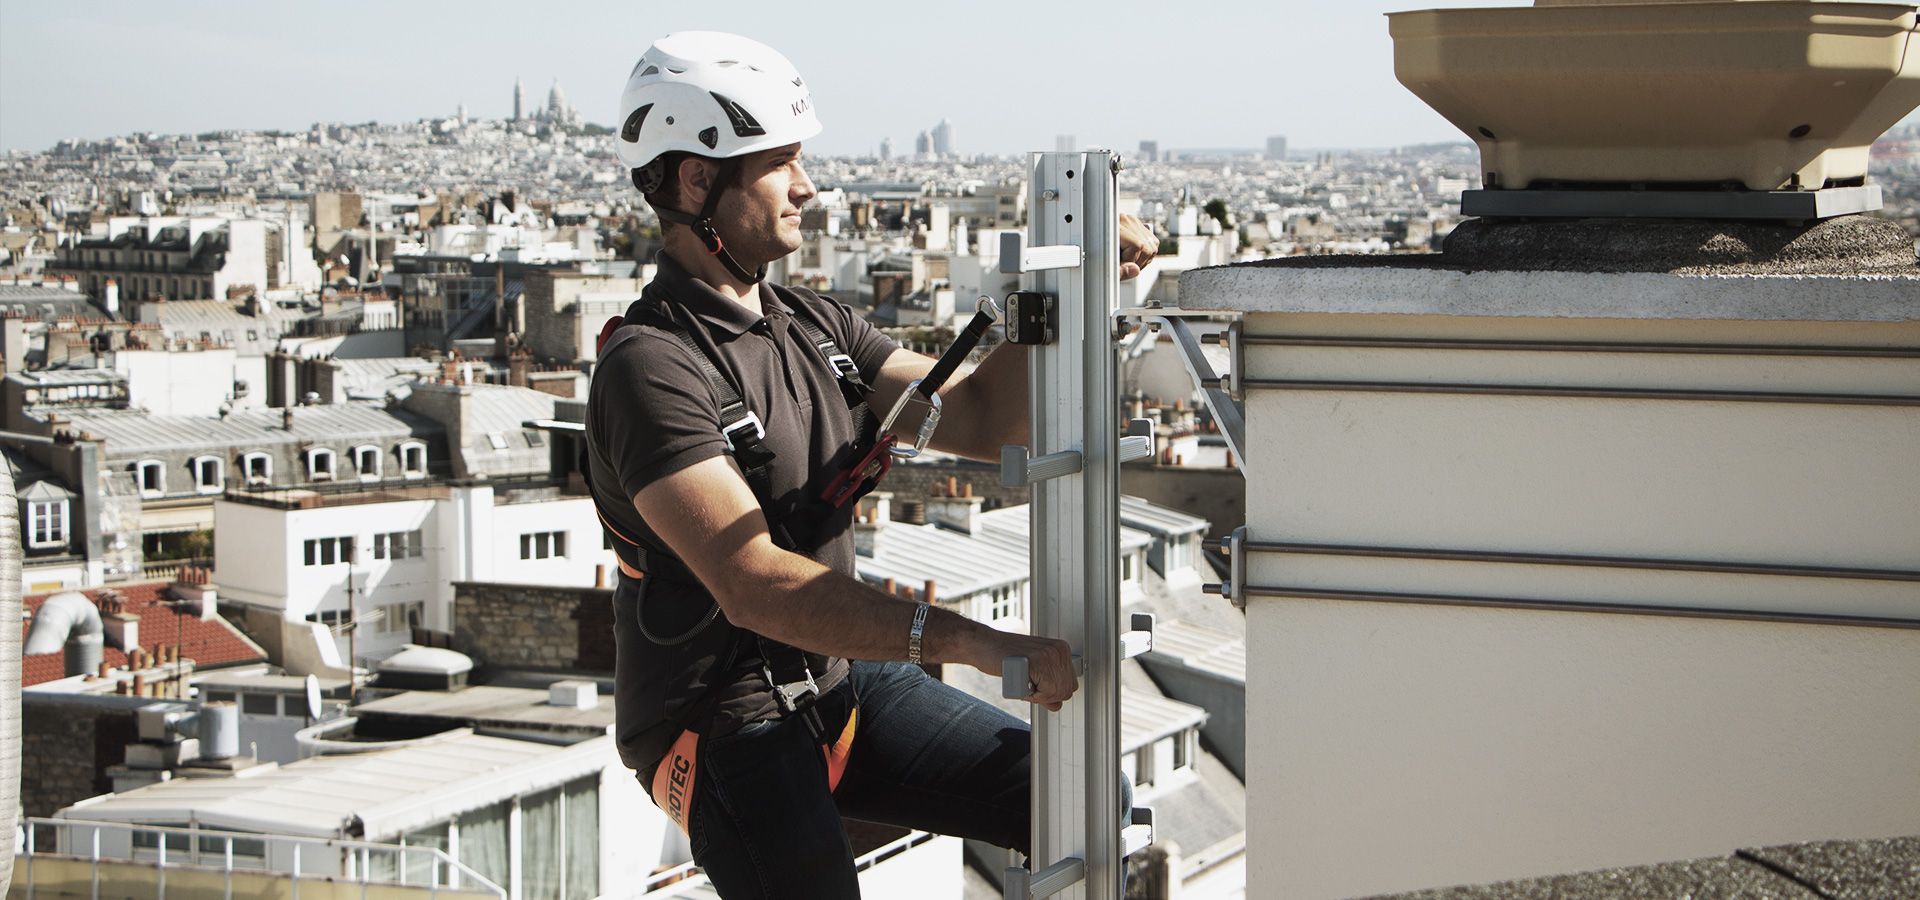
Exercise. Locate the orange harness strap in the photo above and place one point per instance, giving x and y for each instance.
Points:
(673, 780)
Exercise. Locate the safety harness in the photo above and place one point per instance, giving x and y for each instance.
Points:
(788, 670)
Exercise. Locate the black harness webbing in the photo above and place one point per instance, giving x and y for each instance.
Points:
(789, 671)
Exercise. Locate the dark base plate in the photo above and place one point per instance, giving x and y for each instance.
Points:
(1792, 206)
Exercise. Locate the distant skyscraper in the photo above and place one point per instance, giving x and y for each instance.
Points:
(519, 100)
(943, 139)
(1065, 143)
(886, 148)
(1277, 147)
(922, 145)
(1150, 150)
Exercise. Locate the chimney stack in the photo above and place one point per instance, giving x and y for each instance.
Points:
(870, 521)
(111, 296)
(955, 509)
(286, 418)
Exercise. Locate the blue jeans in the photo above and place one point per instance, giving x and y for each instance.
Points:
(925, 756)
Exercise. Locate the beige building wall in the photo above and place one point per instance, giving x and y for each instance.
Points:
(1404, 745)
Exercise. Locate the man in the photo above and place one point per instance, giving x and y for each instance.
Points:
(718, 415)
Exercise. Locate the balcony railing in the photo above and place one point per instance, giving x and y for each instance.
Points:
(202, 860)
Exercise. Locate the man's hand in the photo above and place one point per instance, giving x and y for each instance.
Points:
(1049, 662)
(1138, 246)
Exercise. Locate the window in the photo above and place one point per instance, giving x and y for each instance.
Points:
(152, 475)
(256, 467)
(328, 551)
(207, 474)
(402, 618)
(1143, 766)
(319, 464)
(543, 545)
(413, 460)
(46, 523)
(1126, 567)
(496, 440)
(1005, 603)
(1179, 553)
(334, 619)
(397, 545)
(1183, 749)
(260, 704)
(366, 462)
(220, 697)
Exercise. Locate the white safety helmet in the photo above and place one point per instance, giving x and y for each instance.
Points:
(711, 94)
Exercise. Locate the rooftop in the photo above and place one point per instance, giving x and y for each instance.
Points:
(208, 642)
(484, 705)
(135, 431)
(375, 795)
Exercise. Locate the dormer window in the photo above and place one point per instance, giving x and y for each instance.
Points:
(413, 459)
(320, 464)
(152, 477)
(366, 463)
(257, 467)
(207, 474)
(46, 524)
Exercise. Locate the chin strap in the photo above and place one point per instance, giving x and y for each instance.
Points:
(702, 224)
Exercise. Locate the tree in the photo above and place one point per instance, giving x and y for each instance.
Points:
(1217, 208)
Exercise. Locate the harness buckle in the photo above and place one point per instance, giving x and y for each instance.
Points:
(843, 365)
(751, 420)
(789, 696)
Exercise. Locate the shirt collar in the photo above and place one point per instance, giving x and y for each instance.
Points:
(718, 311)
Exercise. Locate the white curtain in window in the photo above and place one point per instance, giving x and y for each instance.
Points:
(542, 845)
(583, 839)
(420, 865)
(483, 842)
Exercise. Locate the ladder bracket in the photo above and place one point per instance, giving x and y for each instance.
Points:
(1139, 640)
(1138, 442)
(1137, 836)
(1017, 258)
(1234, 545)
(1024, 885)
(1017, 469)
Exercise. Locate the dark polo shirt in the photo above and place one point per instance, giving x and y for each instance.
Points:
(651, 412)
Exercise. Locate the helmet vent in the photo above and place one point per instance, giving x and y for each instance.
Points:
(651, 70)
(727, 62)
(744, 124)
(796, 83)
(630, 132)
(676, 71)
(710, 136)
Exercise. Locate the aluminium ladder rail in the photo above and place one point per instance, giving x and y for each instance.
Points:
(1072, 467)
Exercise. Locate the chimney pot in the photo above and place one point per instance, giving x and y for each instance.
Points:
(930, 595)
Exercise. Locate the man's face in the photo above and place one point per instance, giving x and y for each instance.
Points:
(760, 217)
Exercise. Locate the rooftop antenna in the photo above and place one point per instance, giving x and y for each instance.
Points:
(1071, 263)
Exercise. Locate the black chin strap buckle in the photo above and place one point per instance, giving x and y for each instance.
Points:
(709, 237)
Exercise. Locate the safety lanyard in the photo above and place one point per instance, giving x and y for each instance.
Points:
(926, 389)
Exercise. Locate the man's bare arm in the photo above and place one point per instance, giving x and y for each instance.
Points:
(709, 518)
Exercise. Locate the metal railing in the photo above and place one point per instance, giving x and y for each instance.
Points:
(150, 845)
(687, 876)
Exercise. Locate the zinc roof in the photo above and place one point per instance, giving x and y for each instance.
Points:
(1140, 514)
(374, 795)
(130, 431)
(961, 564)
(1201, 648)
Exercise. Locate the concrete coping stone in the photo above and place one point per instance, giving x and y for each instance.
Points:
(1851, 269)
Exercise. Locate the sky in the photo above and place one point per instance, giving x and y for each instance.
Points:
(1009, 75)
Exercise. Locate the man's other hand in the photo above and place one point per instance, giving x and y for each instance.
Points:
(1138, 246)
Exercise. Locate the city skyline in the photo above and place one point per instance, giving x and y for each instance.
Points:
(242, 67)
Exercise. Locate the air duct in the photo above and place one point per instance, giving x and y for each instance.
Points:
(219, 730)
(68, 621)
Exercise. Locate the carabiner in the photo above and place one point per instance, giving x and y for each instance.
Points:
(927, 425)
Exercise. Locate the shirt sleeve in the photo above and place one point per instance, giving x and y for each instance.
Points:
(654, 412)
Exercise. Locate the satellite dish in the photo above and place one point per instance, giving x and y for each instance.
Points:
(313, 698)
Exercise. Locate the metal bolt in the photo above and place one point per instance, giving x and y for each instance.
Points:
(1117, 166)
(1049, 194)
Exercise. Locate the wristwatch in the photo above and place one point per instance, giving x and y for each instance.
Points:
(913, 637)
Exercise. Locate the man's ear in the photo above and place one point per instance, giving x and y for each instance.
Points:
(696, 180)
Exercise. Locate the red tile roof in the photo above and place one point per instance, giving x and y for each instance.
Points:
(210, 644)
